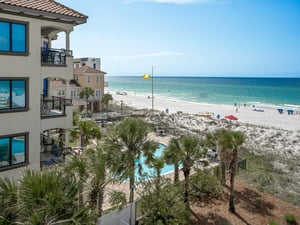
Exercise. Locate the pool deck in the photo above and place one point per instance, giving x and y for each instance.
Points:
(124, 186)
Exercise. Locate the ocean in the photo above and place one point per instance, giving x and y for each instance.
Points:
(268, 92)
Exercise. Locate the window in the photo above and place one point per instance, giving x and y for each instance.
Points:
(88, 79)
(97, 93)
(13, 94)
(97, 79)
(13, 37)
(13, 150)
(94, 65)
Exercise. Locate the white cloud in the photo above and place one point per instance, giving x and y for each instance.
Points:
(148, 55)
(177, 2)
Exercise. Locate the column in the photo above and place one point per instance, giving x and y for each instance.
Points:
(67, 39)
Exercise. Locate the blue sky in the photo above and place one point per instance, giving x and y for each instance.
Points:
(190, 37)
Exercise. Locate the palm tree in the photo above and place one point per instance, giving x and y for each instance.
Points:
(216, 139)
(164, 206)
(232, 140)
(8, 201)
(106, 98)
(88, 129)
(86, 92)
(50, 197)
(190, 151)
(78, 166)
(172, 155)
(96, 159)
(129, 143)
(76, 118)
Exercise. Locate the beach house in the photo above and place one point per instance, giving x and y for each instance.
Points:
(34, 125)
(89, 77)
(95, 63)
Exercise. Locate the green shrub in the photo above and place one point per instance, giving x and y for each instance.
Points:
(290, 219)
(272, 222)
(258, 202)
(204, 186)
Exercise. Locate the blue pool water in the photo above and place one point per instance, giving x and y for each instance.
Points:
(150, 171)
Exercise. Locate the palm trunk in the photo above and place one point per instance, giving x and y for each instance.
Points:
(176, 173)
(131, 186)
(131, 180)
(223, 176)
(100, 201)
(232, 168)
(186, 173)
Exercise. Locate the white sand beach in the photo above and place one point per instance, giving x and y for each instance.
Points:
(265, 132)
(268, 118)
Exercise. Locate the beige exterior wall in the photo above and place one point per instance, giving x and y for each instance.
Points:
(97, 84)
(30, 67)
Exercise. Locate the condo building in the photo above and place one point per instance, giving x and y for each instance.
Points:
(34, 123)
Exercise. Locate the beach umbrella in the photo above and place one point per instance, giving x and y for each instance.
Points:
(230, 117)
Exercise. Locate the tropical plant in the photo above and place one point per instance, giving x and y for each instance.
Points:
(76, 118)
(106, 98)
(173, 155)
(8, 201)
(189, 150)
(230, 142)
(163, 206)
(77, 165)
(203, 186)
(290, 219)
(129, 142)
(97, 161)
(88, 129)
(86, 92)
(51, 197)
(214, 140)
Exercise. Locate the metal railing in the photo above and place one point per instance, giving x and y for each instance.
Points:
(52, 151)
(54, 106)
(52, 56)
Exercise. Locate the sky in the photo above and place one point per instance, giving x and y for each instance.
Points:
(259, 38)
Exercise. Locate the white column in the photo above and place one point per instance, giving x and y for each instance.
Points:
(67, 39)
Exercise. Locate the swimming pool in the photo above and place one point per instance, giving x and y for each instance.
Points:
(151, 171)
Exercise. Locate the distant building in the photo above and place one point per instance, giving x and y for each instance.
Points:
(86, 76)
(30, 115)
(95, 63)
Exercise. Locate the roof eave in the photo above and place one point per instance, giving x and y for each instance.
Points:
(16, 10)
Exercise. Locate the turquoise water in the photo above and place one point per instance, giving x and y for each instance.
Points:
(269, 91)
(150, 171)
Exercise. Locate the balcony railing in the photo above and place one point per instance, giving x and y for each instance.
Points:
(54, 106)
(52, 151)
(52, 56)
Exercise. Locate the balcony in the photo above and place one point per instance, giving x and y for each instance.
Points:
(52, 152)
(54, 106)
(54, 57)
